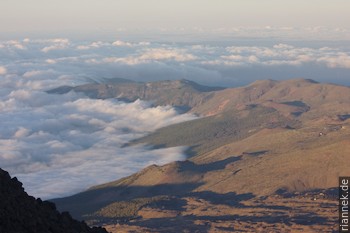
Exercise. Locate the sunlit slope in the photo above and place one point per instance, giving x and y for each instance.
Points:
(269, 161)
(320, 98)
(269, 137)
(300, 97)
(208, 133)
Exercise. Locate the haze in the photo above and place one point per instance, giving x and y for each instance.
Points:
(43, 16)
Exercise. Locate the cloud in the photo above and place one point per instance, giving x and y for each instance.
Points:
(57, 44)
(47, 139)
(340, 60)
(281, 55)
(179, 55)
(121, 43)
(93, 45)
(3, 70)
(152, 55)
(212, 63)
(59, 144)
(15, 44)
(51, 61)
(36, 73)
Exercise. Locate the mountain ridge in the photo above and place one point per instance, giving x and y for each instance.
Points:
(22, 213)
(202, 100)
(267, 142)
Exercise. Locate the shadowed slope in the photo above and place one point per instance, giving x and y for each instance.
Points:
(21, 213)
(256, 142)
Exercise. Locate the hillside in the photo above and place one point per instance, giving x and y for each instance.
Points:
(235, 113)
(20, 213)
(294, 96)
(263, 157)
(184, 94)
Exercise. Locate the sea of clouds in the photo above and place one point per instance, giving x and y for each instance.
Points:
(61, 144)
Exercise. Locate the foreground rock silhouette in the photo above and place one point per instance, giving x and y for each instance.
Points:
(21, 213)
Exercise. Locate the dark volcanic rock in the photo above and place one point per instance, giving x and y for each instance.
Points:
(21, 213)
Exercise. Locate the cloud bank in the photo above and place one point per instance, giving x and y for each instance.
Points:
(211, 63)
(61, 144)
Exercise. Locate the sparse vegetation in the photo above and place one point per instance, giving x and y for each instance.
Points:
(266, 137)
(126, 209)
(206, 134)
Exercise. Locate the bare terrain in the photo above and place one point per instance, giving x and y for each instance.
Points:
(262, 158)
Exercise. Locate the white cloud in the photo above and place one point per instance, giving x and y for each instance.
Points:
(15, 44)
(124, 60)
(59, 40)
(57, 44)
(47, 139)
(32, 73)
(121, 43)
(95, 45)
(340, 60)
(153, 55)
(54, 47)
(281, 54)
(3, 70)
(66, 135)
(83, 47)
(167, 54)
(51, 61)
(283, 46)
(21, 132)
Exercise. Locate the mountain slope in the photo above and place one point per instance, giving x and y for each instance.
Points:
(291, 104)
(20, 213)
(224, 187)
(286, 96)
(255, 149)
(181, 93)
(208, 133)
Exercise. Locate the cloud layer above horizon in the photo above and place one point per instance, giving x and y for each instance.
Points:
(224, 64)
(62, 144)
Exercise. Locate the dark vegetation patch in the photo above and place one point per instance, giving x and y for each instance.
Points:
(344, 117)
(295, 103)
(206, 134)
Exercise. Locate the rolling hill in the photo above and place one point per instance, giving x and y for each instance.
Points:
(262, 158)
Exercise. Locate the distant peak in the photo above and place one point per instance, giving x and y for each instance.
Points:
(310, 80)
(264, 81)
(115, 81)
(187, 83)
(301, 80)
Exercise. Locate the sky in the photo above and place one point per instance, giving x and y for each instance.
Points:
(62, 16)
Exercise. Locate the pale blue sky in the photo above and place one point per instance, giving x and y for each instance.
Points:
(91, 15)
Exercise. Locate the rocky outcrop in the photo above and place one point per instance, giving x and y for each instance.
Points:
(21, 213)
